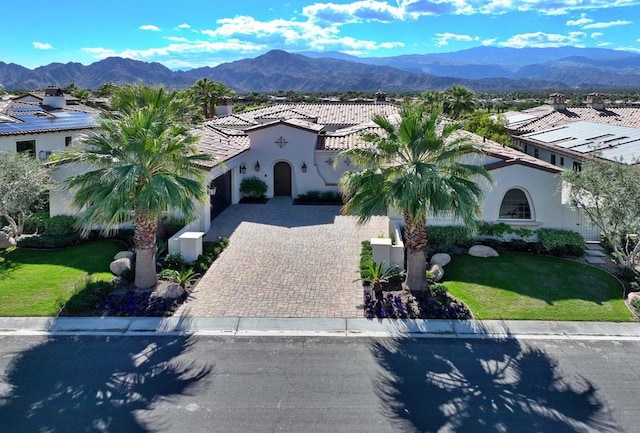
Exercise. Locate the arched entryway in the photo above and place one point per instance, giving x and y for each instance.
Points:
(282, 179)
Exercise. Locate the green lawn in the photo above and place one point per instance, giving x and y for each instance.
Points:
(38, 282)
(527, 287)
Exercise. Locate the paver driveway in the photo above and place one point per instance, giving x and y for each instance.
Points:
(284, 261)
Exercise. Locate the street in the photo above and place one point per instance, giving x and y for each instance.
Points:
(67, 384)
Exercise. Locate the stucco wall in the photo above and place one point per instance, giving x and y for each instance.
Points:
(47, 142)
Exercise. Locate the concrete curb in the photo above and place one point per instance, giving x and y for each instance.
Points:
(230, 326)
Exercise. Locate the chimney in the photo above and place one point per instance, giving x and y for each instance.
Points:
(381, 97)
(53, 97)
(557, 100)
(595, 101)
(225, 106)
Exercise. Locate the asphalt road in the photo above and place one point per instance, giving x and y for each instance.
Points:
(212, 384)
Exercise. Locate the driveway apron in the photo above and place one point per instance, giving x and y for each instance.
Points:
(284, 260)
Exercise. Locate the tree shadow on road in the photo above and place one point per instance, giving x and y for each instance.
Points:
(96, 384)
(483, 386)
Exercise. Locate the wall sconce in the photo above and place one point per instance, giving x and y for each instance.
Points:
(213, 190)
(257, 166)
(243, 168)
(304, 167)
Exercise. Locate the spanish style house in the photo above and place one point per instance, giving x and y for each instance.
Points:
(42, 124)
(293, 149)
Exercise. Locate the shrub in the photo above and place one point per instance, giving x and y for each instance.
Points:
(366, 261)
(562, 242)
(46, 241)
(410, 307)
(442, 239)
(36, 222)
(210, 252)
(173, 225)
(253, 187)
(628, 274)
(138, 303)
(60, 225)
(636, 305)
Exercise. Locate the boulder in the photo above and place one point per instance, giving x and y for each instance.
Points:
(441, 259)
(124, 255)
(117, 267)
(633, 296)
(482, 251)
(437, 272)
(172, 291)
(6, 241)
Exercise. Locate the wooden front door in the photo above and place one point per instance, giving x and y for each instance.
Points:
(282, 179)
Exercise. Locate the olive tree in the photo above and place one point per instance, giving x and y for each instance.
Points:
(606, 192)
(23, 186)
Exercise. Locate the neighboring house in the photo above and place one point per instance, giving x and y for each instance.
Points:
(44, 126)
(566, 136)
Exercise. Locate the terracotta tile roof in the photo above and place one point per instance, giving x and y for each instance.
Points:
(612, 116)
(222, 144)
(328, 114)
(347, 138)
(232, 121)
(296, 123)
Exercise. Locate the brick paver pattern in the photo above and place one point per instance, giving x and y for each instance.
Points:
(284, 261)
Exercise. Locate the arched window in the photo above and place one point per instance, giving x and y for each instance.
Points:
(515, 205)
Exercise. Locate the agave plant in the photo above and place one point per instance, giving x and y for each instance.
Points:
(378, 273)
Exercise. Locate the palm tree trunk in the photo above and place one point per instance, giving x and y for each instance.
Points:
(416, 240)
(144, 238)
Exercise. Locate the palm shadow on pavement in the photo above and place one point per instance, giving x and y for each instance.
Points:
(87, 385)
(483, 386)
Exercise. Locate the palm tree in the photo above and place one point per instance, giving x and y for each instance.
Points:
(206, 93)
(144, 164)
(458, 101)
(413, 165)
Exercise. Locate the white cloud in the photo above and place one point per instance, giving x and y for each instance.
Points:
(444, 38)
(595, 35)
(183, 26)
(608, 24)
(176, 39)
(150, 27)
(544, 40)
(42, 46)
(100, 52)
(579, 22)
(488, 42)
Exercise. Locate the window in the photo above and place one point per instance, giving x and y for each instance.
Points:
(562, 161)
(553, 159)
(526, 149)
(536, 153)
(68, 141)
(27, 146)
(515, 205)
(577, 166)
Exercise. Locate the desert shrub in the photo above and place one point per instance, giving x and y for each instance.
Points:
(561, 242)
(411, 307)
(138, 303)
(366, 261)
(442, 239)
(210, 252)
(173, 261)
(253, 187)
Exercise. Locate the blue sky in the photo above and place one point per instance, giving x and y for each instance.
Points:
(193, 33)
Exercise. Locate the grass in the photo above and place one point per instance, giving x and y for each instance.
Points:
(519, 286)
(39, 282)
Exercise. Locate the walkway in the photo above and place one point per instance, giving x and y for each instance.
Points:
(284, 261)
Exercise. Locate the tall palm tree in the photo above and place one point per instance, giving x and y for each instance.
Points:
(458, 101)
(206, 93)
(143, 163)
(413, 165)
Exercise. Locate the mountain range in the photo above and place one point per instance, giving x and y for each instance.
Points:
(480, 68)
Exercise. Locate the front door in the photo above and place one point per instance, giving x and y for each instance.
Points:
(222, 197)
(282, 179)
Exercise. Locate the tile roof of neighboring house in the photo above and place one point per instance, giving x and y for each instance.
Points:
(612, 116)
(347, 138)
(232, 121)
(329, 114)
(20, 119)
(296, 123)
(222, 144)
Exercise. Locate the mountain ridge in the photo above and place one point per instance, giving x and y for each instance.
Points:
(480, 68)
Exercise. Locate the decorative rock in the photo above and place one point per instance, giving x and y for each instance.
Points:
(482, 251)
(437, 272)
(6, 241)
(124, 255)
(633, 296)
(172, 291)
(441, 259)
(117, 267)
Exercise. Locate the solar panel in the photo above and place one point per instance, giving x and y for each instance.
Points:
(22, 109)
(34, 123)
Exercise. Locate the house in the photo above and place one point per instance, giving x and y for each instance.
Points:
(565, 137)
(293, 148)
(42, 126)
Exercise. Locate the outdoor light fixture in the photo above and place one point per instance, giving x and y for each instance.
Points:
(213, 190)
(304, 167)
(257, 166)
(243, 168)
